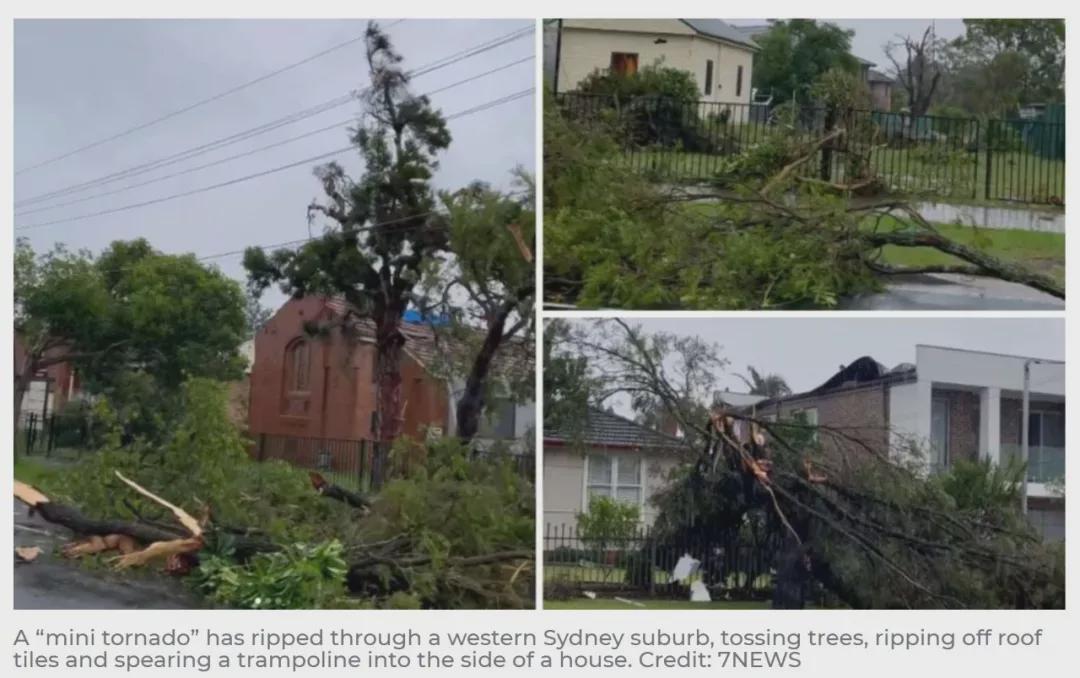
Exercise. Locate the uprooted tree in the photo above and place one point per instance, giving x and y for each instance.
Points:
(846, 518)
(384, 227)
(767, 231)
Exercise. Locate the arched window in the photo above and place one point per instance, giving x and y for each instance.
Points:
(298, 367)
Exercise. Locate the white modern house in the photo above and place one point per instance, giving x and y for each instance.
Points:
(718, 55)
(964, 403)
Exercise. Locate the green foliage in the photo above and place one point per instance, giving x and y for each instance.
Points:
(384, 232)
(842, 89)
(443, 505)
(607, 522)
(655, 80)
(795, 53)
(569, 389)
(983, 486)
(297, 577)
(134, 322)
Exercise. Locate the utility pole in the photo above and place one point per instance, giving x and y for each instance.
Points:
(1024, 433)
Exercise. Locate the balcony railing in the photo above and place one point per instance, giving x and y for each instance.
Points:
(1045, 463)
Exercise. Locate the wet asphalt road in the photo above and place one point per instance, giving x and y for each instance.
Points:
(53, 583)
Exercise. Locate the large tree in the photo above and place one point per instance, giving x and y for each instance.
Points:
(382, 228)
(918, 66)
(795, 53)
(131, 310)
(486, 286)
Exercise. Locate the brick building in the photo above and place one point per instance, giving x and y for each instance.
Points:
(954, 405)
(313, 376)
(49, 389)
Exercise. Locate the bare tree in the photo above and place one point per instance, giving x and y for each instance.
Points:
(920, 73)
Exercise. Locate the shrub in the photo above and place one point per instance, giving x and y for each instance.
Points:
(607, 522)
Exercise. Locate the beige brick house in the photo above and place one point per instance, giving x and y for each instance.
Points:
(719, 56)
(956, 405)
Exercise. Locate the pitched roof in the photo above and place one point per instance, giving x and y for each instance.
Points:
(721, 30)
(877, 76)
(605, 429)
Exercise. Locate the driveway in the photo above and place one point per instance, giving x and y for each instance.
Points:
(951, 292)
(54, 583)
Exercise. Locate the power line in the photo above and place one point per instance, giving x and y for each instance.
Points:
(327, 128)
(327, 105)
(202, 102)
(360, 229)
(322, 156)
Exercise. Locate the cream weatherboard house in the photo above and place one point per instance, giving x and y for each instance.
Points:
(719, 56)
(612, 456)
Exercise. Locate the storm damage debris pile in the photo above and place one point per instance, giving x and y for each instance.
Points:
(445, 531)
(763, 232)
(859, 526)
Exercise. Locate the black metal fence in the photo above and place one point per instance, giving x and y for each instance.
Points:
(52, 435)
(934, 156)
(643, 564)
(361, 464)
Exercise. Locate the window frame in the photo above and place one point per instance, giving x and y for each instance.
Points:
(613, 485)
(709, 67)
(626, 58)
(738, 80)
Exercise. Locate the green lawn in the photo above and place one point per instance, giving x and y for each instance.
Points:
(1043, 252)
(36, 471)
(1023, 177)
(595, 573)
(611, 604)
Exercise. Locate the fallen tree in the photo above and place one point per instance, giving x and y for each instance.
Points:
(765, 231)
(447, 532)
(837, 517)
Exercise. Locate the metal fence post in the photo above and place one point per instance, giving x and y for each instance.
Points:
(989, 156)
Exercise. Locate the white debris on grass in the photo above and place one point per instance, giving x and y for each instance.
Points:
(698, 593)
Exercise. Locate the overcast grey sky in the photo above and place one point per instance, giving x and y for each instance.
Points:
(806, 351)
(80, 81)
(872, 34)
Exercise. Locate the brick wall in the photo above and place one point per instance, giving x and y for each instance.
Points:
(963, 424)
(340, 397)
(860, 413)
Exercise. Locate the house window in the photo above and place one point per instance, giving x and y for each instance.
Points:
(499, 420)
(614, 476)
(1046, 445)
(738, 81)
(298, 367)
(939, 434)
(624, 63)
(708, 77)
(809, 417)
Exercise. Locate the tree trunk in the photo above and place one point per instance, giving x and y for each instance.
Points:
(470, 406)
(389, 345)
(789, 589)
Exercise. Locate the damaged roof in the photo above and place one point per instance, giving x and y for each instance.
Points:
(863, 371)
(607, 429)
